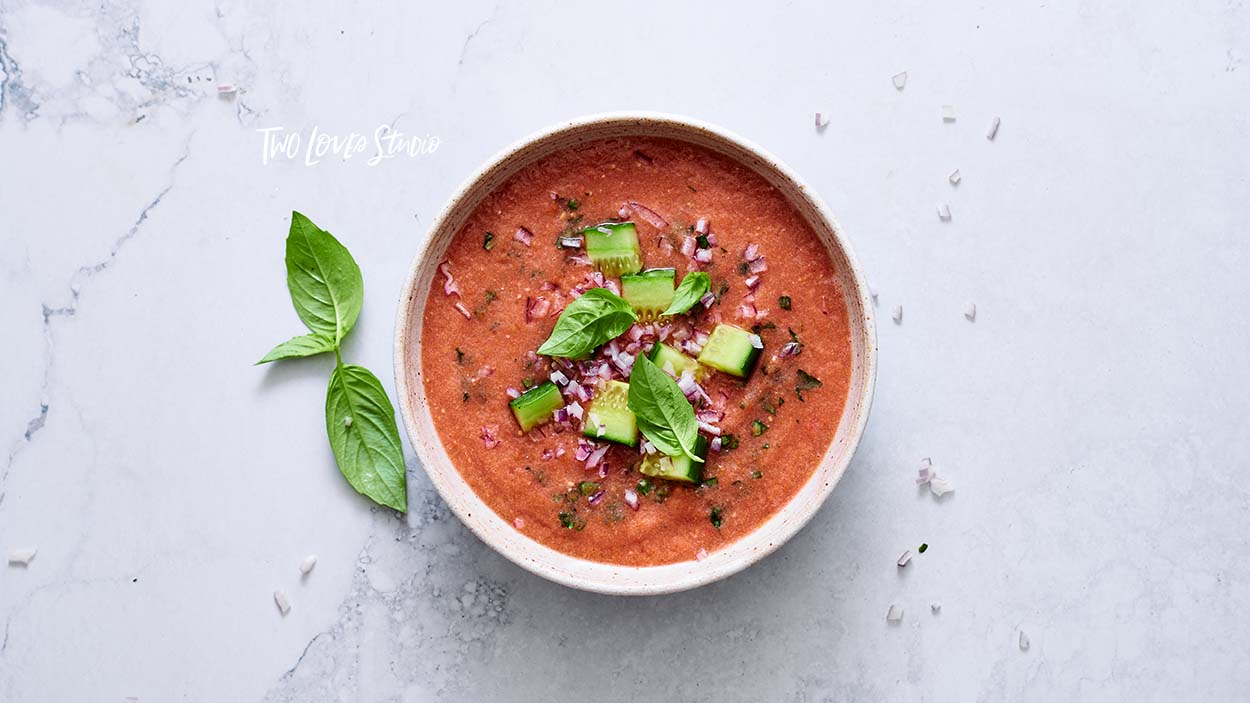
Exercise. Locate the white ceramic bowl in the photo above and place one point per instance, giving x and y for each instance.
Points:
(499, 533)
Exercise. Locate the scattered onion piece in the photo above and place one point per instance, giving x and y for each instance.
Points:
(464, 311)
(894, 614)
(897, 314)
(906, 557)
(970, 311)
(23, 556)
(651, 216)
(700, 555)
(524, 236)
(703, 256)
(280, 600)
(631, 498)
(900, 80)
(948, 113)
(993, 131)
(571, 242)
(449, 285)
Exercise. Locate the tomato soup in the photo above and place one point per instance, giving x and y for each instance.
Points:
(763, 357)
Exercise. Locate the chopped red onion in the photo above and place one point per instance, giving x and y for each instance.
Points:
(954, 178)
(900, 80)
(574, 409)
(560, 415)
(584, 448)
(571, 242)
(582, 393)
(624, 211)
(597, 498)
(548, 454)
(603, 470)
(283, 603)
(894, 614)
(993, 131)
(483, 372)
(523, 236)
(709, 415)
(789, 349)
(755, 341)
(902, 561)
(709, 429)
(948, 113)
(560, 451)
(700, 555)
(559, 378)
(227, 89)
(690, 346)
(970, 311)
(22, 556)
(940, 486)
(464, 311)
(759, 265)
(1024, 642)
(752, 282)
(822, 120)
(490, 436)
(707, 300)
(651, 216)
(703, 256)
(537, 309)
(752, 252)
(548, 285)
(687, 246)
(580, 259)
(518, 522)
(747, 310)
(711, 238)
(944, 212)
(631, 498)
(647, 447)
(701, 226)
(513, 393)
(715, 445)
(897, 313)
(666, 247)
(449, 285)
(635, 333)
(596, 456)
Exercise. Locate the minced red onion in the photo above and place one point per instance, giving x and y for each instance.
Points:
(548, 455)
(747, 310)
(906, 557)
(701, 337)
(752, 282)
(707, 300)
(559, 451)
(710, 415)
(703, 256)
(755, 341)
(490, 436)
(449, 285)
(523, 236)
(789, 349)
(715, 445)
(597, 498)
(584, 448)
(701, 225)
(596, 456)
(559, 378)
(575, 409)
(631, 498)
(571, 242)
(560, 415)
(690, 346)
(700, 555)
(537, 309)
(687, 246)
(464, 311)
(709, 429)
(752, 252)
(513, 393)
(647, 447)
(624, 211)
(759, 265)
(666, 247)
(580, 259)
(711, 238)
(651, 216)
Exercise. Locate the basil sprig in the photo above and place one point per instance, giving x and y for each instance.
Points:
(664, 415)
(327, 291)
(594, 318)
(693, 287)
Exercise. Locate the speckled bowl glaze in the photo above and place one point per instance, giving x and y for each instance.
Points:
(499, 533)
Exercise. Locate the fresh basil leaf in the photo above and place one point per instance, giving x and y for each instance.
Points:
(324, 279)
(663, 414)
(360, 422)
(295, 347)
(693, 287)
(596, 317)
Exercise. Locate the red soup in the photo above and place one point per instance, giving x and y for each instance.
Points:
(695, 351)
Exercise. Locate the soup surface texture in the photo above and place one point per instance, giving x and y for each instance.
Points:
(507, 277)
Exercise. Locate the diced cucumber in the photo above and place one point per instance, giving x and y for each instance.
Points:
(676, 468)
(673, 362)
(730, 349)
(534, 407)
(609, 416)
(650, 292)
(613, 247)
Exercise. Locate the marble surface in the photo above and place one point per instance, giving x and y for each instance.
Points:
(1094, 418)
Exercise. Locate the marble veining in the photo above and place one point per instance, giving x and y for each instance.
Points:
(1093, 415)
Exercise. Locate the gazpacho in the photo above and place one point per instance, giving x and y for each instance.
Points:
(636, 351)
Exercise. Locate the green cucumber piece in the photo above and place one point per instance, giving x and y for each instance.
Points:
(650, 292)
(676, 468)
(729, 349)
(673, 362)
(609, 416)
(613, 247)
(534, 407)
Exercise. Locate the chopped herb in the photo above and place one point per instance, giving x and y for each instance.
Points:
(644, 486)
(739, 484)
(588, 488)
(728, 442)
(488, 241)
(743, 268)
(692, 189)
(538, 475)
(720, 292)
(757, 474)
(768, 406)
(784, 302)
(715, 516)
(661, 492)
(711, 482)
(527, 382)
(793, 337)
(702, 241)
(464, 396)
(766, 445)
(572, 204)
(806, 382)
(757, 428)
(568, 520)
(923, 547)
(459, 356)
(760, 328)
(491, 294)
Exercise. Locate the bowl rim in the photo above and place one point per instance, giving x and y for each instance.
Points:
(477, 524)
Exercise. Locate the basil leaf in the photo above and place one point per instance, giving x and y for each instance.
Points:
(596, 317)
(324, 279)
(360, 422)
(663, 414)
(307, 345)
(693, 287)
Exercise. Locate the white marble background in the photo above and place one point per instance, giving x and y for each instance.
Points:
(1095, 417)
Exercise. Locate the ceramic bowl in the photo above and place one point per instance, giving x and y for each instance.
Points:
(499, 533)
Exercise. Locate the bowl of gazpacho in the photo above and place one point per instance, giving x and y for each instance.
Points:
(635, 353)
